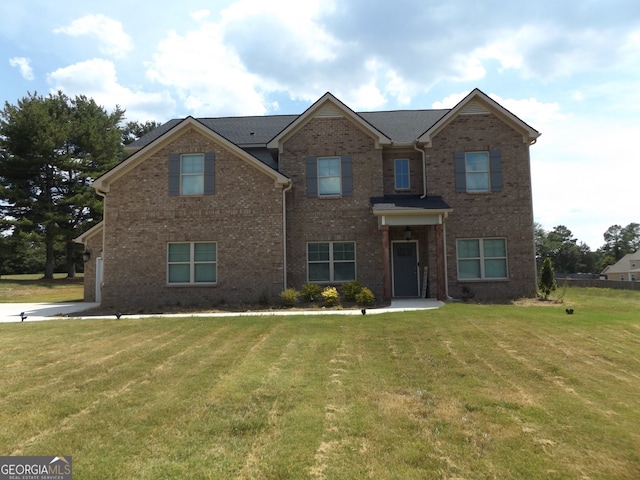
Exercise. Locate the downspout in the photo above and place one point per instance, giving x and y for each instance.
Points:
(424, 169)
(104, 238)
(284, 233)
(104, 210)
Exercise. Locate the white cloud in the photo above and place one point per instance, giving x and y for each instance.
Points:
(230, 66)
(24, 65)
(113, 40)
(208, 77)
(97, 79)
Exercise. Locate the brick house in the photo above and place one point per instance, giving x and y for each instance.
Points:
(434, 203)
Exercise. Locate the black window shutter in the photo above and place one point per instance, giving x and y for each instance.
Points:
(312, 177)
(347, 175)
(174, 174)
(495, 157)
(209, 173)
(460, 169)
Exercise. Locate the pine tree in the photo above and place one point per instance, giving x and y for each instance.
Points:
(51, 149)
(547, 282)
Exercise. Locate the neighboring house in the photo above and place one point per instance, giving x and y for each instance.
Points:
(434, 203)
(627, 268)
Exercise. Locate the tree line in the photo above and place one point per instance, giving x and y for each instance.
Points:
(568, 255)
(51, 149)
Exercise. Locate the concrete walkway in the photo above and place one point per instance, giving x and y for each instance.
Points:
(34, 312)
(11, 312)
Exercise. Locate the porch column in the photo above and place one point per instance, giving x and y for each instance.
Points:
(441, 275)
(386, 264)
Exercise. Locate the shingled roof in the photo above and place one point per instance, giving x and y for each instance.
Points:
(402, 126)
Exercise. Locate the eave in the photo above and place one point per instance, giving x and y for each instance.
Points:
(103, 183)
(529, 134)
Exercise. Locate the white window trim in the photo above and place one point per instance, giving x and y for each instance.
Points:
(339, 176)
(332, 262)
(192, 264)
(395, 174)
(482, 258)
(488, 171)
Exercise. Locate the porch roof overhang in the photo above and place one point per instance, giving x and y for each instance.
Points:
(404, 210)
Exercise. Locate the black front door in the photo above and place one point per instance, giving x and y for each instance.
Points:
(405, 269)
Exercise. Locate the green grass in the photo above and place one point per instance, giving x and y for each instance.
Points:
(32, 288)
(465, 391)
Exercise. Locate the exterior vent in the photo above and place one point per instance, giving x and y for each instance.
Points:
(474, 108)
(328, 111)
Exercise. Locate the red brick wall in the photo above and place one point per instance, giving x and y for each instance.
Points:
(244, 217)
(347, 218)
(508, 213)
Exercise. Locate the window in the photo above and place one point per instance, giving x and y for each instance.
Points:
(329, 176)
(191, 263)
(478, 172)
(401, 173)
(480, 258)
(331, 261)
(191, 174)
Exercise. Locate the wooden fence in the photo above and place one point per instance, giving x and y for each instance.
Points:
(593, 282)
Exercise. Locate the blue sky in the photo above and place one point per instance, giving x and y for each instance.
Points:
(571, 69)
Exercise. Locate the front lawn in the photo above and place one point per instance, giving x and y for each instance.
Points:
(32, 288)
(465, 391)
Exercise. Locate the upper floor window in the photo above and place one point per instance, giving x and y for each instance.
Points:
(401, 173)
(192, 262)
(478, 172)
(191, 174)
(329, 176)
(482, 258)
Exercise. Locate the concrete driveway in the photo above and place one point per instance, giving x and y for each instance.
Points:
(10, 312)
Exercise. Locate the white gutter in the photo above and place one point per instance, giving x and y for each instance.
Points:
(104, 211)
(284, 234)
(446, 268)
(424, 169)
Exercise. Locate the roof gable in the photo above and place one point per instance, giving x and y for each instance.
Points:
(102, 183)
(478, 103)
(328, 106)
(625, 264)
(85, 236)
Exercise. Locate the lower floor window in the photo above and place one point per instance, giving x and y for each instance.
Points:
(331, 261)
(192, 262)
(482, 258)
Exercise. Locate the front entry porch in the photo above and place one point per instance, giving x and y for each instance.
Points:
(407, 222)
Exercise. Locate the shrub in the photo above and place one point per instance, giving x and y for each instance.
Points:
(289, 297)
(331, 296)
(311, 292)
(365, 297)
(351, 289)
(547, 282)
